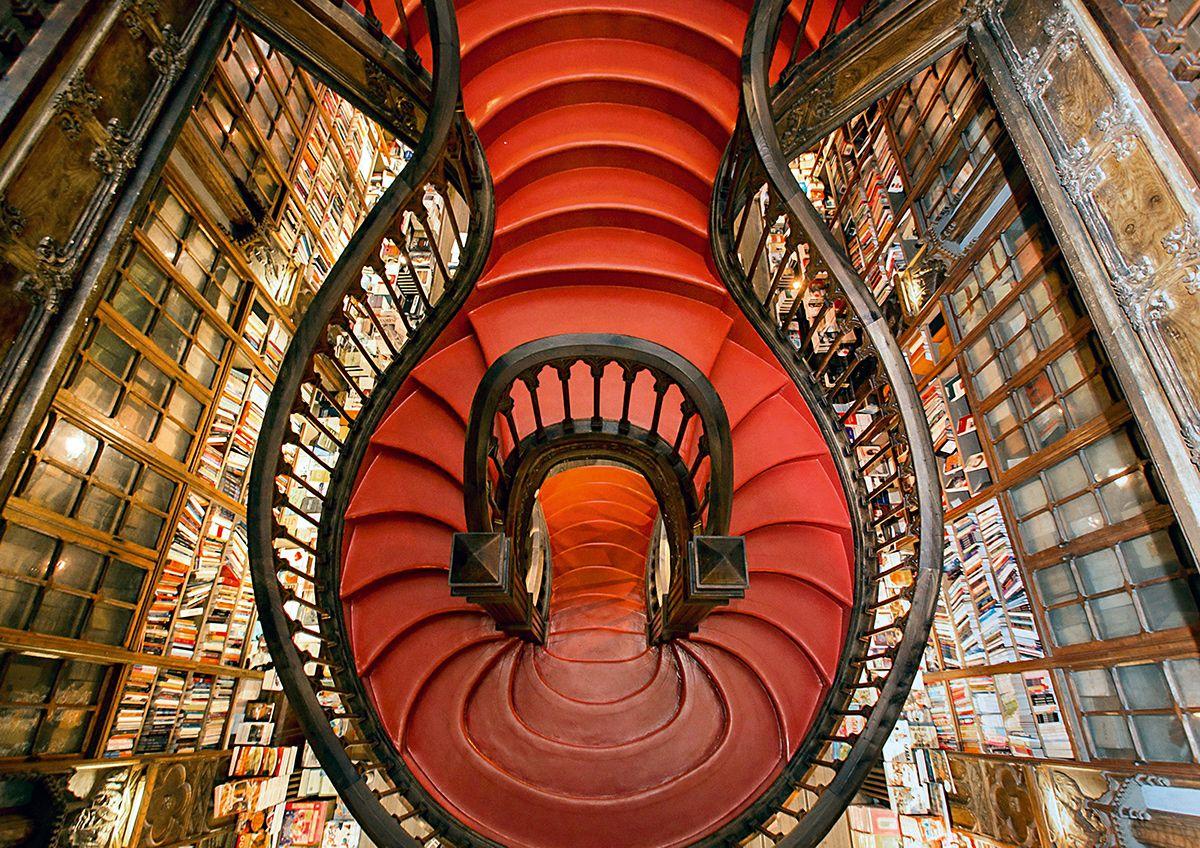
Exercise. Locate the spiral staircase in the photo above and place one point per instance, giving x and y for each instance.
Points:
(571, 526)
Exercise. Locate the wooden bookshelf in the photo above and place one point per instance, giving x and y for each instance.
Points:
(127, 527)
(1057, 532)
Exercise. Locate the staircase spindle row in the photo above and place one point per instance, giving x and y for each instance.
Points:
(401, 278)
(645, 406)
(788, 275)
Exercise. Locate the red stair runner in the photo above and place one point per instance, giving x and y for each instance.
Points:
(603, 124)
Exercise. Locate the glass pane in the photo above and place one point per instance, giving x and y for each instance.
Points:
(1095, 690)
(155, 490)
(60, 614)
(108, 624)
(1110, 456)
(16, 600)
(1066, 478)
(1088, 401)
(1186, 673)
(122, 581)
(77, 568)
(63, 732)
(116, 469)
(1069, 625)
(1162, 738)
(1168, 605)
(28, 680)
(17, 729)
(1011, 322)
(1028, 497)
(1049, 426)
(1145, 687)
(142, 527)
(52, 487)
(70, 446)
(989, 379)
(1012, 448)
(185, 408)
(1110, 737)
(152, 382)
(79, 683)
(137, 417)
(1150, 556)
(1115, 616)
(25, 552)
(1080, 516)
(100, 508)
(1002, 418)
(1100, 572)
(1056, 583)
(1127, 497)
(1020, 353)
(1039, 532)
(95, 389)
(173, 440)
(113, 354)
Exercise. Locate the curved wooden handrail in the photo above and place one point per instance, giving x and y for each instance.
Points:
(344, 364)
(847, 364)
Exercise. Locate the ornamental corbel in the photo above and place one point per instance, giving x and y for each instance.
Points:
(1117, 128)
(167, 57)
(75, 104)
(51, 279)
(135, 14)
(401, 109)
(1139, 295)
(114, 155)
(257, 244)
(1183, 246)
(12, 220)
(1032, 76)
(1079, 173)
(977, 10)
(1060, 27)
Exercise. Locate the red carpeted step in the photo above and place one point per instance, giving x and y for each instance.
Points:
(693, 330)
(425, 426)
(589, 197)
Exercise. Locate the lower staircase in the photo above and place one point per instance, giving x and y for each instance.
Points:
(564, 556)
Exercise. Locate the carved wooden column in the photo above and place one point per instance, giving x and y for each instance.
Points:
(1124, 206)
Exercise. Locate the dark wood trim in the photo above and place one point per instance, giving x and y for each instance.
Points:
(96, 652)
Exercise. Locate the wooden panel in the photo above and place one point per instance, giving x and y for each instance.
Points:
(863, 64)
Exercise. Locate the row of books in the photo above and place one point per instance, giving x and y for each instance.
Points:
(237, 421)
(985, 593)
(1012, 714)
(170, 710)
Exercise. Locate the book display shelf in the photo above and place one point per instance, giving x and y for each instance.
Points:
(1060, 553)
(124, 545)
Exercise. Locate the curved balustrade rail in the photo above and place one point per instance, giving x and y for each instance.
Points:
(596, 396)
(404, 274)
(789, 276)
